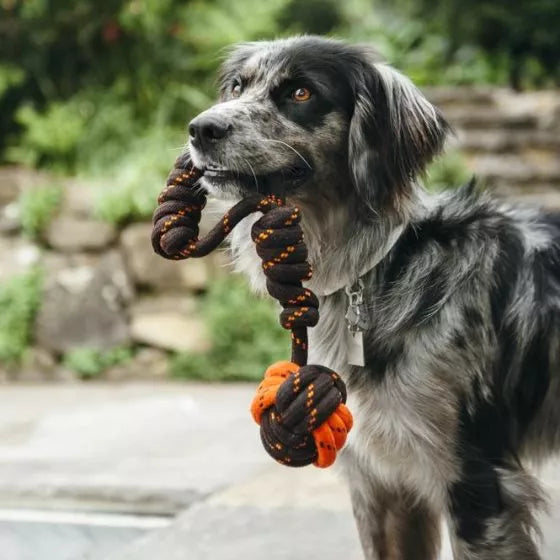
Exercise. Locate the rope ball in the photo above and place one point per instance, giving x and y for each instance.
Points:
(294, 406)
(300, 408)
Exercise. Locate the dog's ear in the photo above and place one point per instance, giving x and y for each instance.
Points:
(394, 133)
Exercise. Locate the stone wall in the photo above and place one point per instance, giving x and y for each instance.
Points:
(104, 287)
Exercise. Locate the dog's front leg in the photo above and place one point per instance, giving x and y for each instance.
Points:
(392, 524)
(492, 514)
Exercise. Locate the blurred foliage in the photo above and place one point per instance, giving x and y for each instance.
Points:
(89, 363)
(80, 81)
(446, 171)
(311, 16)
(95, 77)
(37, 207)
(138, 178)
(409, 43)
(105, 89)
(520, 38)
(10, 76)
(246, 336)
(52, 135)
(20, 298)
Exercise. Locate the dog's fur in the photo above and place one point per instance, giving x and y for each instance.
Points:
(462, 381)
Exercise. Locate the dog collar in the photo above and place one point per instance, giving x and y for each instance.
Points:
(369, 265)
(356, 316)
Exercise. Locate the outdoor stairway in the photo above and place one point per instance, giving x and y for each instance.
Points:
(511, 141)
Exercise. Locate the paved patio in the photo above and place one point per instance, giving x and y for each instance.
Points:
(174, 471)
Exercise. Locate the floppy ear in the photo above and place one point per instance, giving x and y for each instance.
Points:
(394, 133)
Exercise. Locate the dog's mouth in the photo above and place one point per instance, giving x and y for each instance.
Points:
(278, 182)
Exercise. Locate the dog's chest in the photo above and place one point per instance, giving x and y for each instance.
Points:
(394, 442)
(404, 423)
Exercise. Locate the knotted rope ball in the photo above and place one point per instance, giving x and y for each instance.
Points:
(300, 408)
(302, 414)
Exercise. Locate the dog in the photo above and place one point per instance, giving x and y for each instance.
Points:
(459, 293)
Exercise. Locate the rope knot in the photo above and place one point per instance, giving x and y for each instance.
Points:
(302, 414)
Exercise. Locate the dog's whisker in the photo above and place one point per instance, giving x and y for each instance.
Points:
(253, 172)
(291, 148)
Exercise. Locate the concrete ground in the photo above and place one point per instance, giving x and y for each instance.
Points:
(174, 471)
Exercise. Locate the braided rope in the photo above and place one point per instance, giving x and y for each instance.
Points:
(293, 403)
(300, 408)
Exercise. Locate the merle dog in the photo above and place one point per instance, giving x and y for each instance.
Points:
(461, 293)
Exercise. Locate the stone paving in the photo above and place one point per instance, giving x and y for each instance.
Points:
(150, 448)
(159, 450)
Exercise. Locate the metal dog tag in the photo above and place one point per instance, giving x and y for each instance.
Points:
(356, 321)
(357, 317)
(355, 343)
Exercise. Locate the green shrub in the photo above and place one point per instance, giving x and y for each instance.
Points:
(523, 41)
(415, 48)
(448, 171)
(49, 137)
(134, 74)
(138, 178)
(20, 298)
(245, 333)
(89, 363)
(10, 76)
(38, 207)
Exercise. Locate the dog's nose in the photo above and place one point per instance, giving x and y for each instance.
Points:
(206, 129)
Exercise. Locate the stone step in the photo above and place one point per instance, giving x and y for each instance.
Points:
(444, 96)
(510, 189)
(226, 533)
(549, 201)
(28, 534)
(469, 118)
(513, 169)
(286, 514)
(501, 141)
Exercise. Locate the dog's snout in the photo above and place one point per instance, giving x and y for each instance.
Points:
(208, 129)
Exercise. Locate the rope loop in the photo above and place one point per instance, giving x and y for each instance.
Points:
(176, 219)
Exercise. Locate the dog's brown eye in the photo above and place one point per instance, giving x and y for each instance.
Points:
(301, 94)
(236, 90)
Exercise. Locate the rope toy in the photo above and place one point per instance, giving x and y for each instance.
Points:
(300, 408)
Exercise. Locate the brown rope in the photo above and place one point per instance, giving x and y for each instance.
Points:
(305, 420)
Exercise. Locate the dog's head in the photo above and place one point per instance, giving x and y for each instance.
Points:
(310, 117)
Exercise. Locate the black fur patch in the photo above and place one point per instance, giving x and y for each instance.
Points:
(473, 318)
(532, 384)
(378, 357)
(475, 499)
(505, 272)
(483, 445)
(522, 369)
